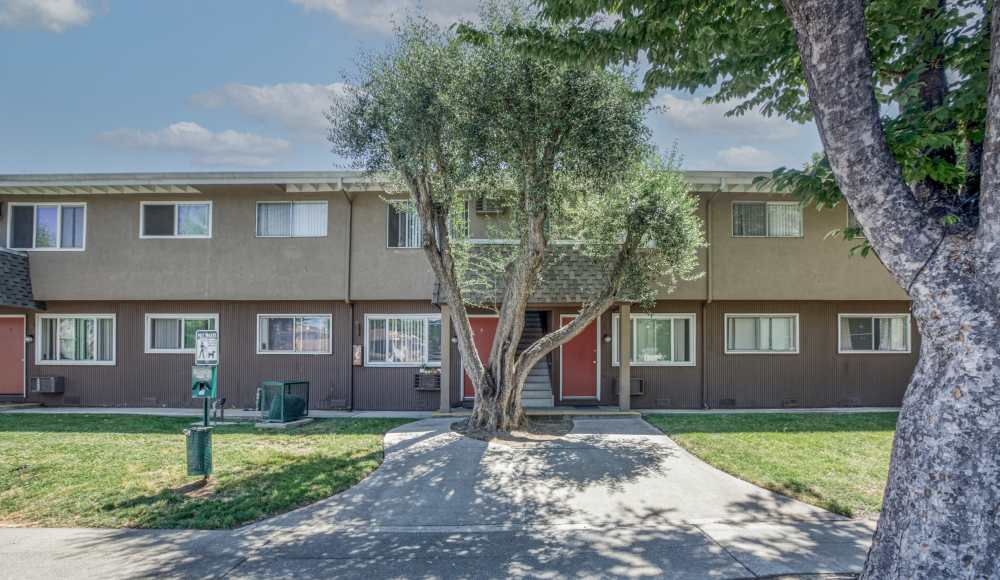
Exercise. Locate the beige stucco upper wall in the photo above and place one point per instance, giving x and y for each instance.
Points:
(233, 265)
(379, 272)
(813, 267)
(236, 265)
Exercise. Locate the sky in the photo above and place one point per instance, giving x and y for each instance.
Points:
(241, 85)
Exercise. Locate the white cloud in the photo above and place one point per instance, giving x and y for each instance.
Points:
(747, 157)
(695, 115)
(51, 15)
(296, 107)
(380, 15)
(205, 147)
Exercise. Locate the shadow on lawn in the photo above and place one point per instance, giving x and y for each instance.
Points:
(444, 505)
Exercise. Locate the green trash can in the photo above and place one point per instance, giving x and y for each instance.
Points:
(199, 450)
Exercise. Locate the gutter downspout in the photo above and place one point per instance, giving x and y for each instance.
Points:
(347, 291)
(709, 290)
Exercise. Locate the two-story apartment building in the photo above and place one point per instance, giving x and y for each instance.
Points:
(313, 275)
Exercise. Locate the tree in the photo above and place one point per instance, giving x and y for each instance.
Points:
(906, 97)
(563, 148)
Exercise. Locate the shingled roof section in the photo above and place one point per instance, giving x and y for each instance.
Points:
(15, 281)
(569, 276)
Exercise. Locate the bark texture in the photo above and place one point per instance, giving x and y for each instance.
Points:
(941, 513)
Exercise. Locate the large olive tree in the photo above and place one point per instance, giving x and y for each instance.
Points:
(564, 148)
(922, 174)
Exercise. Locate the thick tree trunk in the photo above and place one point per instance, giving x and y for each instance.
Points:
(941, 514)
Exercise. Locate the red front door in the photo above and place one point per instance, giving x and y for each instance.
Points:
(579, 363)
(484, 328)
(12, 356)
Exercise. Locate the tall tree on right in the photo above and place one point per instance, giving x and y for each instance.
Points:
(923, 178)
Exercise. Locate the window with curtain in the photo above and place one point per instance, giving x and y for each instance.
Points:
(293, 219)
(167, 333)
(176, 219)
(762, 333)
(402, 226)
(46, 226)
(657, 339)
(88, 339)
(875, 333)
(294, 334)
(403, 340)
(773, 219)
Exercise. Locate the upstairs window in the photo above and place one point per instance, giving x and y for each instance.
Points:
(874, 333)
(46, 226)
(657, 339)
(767, 219)
(175, 219)
(402, 226)
(403, 340)
(292, 219)
(762, 333)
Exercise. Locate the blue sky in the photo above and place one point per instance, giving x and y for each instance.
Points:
(119, 85)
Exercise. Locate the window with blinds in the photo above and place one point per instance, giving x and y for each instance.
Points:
(403, 340)
(174, 333)
(753, 333)
(771, 219)
(293, 219)
(402, 226)
(874, 333)
(657, 339)
(74, 339)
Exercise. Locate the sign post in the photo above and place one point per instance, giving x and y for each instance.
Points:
(204, 385)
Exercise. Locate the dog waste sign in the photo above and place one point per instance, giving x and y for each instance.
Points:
(206, 348)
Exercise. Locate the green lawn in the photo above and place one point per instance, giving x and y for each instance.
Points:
(129, 471)
(839, 462)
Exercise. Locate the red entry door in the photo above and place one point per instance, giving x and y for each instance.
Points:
(484, 328)
(12, 356)
(579, 363)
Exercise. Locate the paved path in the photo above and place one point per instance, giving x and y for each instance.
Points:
(614, 498)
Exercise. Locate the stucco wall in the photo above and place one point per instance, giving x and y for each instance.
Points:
(233, 265)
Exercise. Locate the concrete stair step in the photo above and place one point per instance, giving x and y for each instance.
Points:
(538, 403)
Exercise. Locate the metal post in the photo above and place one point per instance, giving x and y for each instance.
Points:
(445, 402)
(206, 411)
(624, 357)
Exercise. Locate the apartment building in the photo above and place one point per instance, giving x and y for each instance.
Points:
(104, 278)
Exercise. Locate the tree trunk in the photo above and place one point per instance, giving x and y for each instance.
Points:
(941, 513)
(498, 405)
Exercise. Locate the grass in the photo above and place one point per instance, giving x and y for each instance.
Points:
(130, 471)
(838, 462)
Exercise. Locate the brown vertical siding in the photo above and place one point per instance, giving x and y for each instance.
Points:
(389, 388)
(816, 377)
(140, 379)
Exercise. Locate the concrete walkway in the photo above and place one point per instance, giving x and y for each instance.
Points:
(615, 498)
(193, 412)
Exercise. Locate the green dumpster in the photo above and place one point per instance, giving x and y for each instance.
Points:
(199, 450)
(283, 401)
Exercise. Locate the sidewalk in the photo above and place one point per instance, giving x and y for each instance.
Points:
(230, 413)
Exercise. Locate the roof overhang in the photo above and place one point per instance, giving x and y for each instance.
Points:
(195, 183)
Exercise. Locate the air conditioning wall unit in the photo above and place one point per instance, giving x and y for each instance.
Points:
(488, 206)
(48, 385)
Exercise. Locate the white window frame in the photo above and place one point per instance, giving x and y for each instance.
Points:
(732, 219)
(175, 236)
(874, 315)
(388, 207)
(328, 351)
(692, 342)
(256, 225)
(71, 315)
(174, 316)
(725, 333)
(426, 318)
(34, 225)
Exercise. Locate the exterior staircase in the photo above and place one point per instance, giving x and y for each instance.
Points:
(537, 391)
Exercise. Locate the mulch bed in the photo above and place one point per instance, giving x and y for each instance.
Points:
(535, 430)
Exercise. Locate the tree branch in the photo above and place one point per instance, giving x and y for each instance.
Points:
(837, 64)
(988, 236)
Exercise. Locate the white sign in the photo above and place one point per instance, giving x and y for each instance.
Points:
(206, 347)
